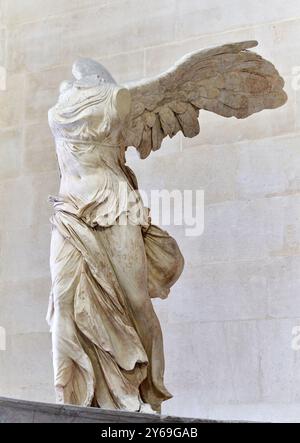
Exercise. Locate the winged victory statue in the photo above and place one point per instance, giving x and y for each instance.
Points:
(107, 259)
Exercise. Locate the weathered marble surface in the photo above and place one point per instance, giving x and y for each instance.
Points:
(107, 260)
(20, 411)
(228, 80)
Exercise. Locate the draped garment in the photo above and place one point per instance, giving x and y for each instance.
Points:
(107, 262)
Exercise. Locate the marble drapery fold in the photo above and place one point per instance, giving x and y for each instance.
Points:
(100, 354)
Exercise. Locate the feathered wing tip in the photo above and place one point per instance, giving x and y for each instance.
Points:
(228, 80)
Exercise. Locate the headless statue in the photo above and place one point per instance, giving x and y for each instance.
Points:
(107, 259)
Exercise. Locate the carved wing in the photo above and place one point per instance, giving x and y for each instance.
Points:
(228, 80)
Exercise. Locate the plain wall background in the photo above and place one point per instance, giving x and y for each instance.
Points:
(228, 322)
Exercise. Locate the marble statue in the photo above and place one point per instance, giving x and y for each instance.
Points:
(107, 259)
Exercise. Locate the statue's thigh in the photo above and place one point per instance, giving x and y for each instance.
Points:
(127, 252)
(65, 264)
(126, 246)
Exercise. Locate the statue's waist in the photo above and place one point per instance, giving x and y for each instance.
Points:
(90, 142)
(93, 182)
(103, 206)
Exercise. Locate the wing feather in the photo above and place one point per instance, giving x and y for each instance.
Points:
(228, 80)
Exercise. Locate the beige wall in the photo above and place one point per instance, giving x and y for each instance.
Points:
(228, 323)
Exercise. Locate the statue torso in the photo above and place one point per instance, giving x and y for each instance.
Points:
(88, 134)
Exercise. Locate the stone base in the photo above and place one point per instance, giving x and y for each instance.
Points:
(21, 411)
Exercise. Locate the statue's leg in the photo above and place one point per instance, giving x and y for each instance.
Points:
(130, 264)
(68, 356)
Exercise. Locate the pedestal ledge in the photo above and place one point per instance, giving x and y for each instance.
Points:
(21, 411)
